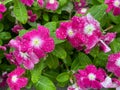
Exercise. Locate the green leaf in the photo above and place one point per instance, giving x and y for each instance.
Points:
(51, 25)
(20, 12)
(80, 61)
(52, 61)
(116, 28)
(98, 11)
(22, 32)
(63, 77)
(115, 46)
(46, 17)
(59, 52)
(68, 7)
(1, 42)
(101, 1)
(45, 83)
(36, 72)
(5, 35)
(6, 1)
(62, 2)
(1, 27)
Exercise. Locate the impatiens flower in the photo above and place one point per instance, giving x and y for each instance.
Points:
(41, 3)
(27, 2)
(17, 28)
(113, 5)
(80, 4)
(15, 79)
(52, 4)
(90, 77)
(113, 64)
(40, 42)
(2, 8)
(31, 17)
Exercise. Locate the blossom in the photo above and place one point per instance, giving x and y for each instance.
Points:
(106, 40)
(113, 64)
(80, 32)
(82, 11)
(2, 8)
(79, 5)
(27, 2)
(41, 3)
(113, 5)
(52, 4)
(3, 48)
(17, 28)
(31, 17)
(40, 41)
(110, 82)
(15, 79)
(90, 77)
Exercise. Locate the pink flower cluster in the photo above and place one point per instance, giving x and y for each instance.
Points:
(90, 77)
(31, 17)
(30, 47)
(15, 79)
(113, 5)
(50, 4)
(80, 6)
(84, 32)
(2, 10)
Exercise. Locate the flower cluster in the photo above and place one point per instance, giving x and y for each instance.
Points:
(90, 77)
(84, 31)
(2, 10)
(30, 47)
(15, 79)
(50, 4)
(113, 5)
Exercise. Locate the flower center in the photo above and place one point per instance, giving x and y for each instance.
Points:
(89, 29)
(117, 63)
(91, 76)
(36, 42)
(51, 1)
(116, 3)
(83, 10)
(24, 55)
(14, 78)
(70, 32)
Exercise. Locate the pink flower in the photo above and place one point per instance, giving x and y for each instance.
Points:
(41, 3)
(2, 8)
(3, 48)
(80, 32)
(113, 5)
(15, 79)
(79, 5)
(40, 42)
(113, 64)
(28, 2)
(28, 58)
(110, 82)
(90, 77)
(106, 40)
(32, 17)
(17, 28)
(52, 4)
(82, 11)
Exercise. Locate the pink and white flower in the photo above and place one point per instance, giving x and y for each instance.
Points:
(90, 77)
(40, 41)
(113, 5)
(15, 79)
(2, 8)
(31, 17)
(52, 4)
(27, 2)
(113, 64)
